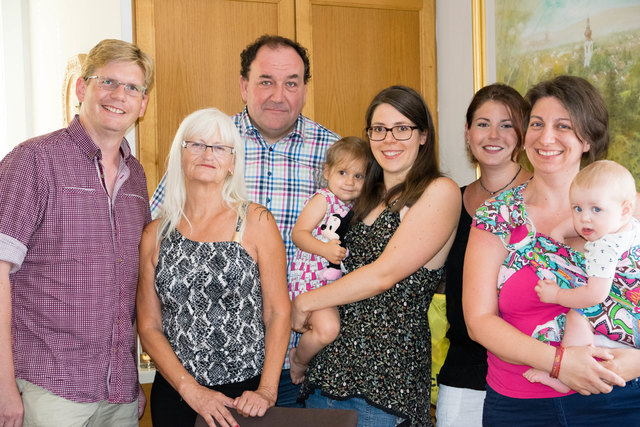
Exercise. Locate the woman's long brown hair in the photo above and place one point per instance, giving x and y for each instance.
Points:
(424, 170)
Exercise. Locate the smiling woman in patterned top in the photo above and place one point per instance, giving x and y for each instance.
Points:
(213, 308)
(404, 224)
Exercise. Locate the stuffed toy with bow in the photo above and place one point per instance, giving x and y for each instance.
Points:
(335, 228)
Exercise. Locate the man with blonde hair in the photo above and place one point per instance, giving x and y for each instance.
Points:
(73, 209)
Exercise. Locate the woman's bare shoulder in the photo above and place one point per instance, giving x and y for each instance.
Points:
(257, 214)
(441, 190)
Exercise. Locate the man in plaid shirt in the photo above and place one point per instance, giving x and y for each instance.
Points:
(74, 203)
(284, 150)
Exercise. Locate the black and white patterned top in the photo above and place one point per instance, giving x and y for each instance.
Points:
(383, 351)
(211, 303)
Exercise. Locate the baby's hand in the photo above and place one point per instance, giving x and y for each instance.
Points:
(333, 252)
(547, 290)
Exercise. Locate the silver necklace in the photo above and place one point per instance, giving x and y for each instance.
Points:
(491, 193)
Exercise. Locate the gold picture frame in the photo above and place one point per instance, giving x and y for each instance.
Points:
(479, 37)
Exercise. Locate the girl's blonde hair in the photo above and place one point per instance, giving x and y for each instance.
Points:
(348, 148)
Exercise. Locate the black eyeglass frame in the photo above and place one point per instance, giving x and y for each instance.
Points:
(391, 129)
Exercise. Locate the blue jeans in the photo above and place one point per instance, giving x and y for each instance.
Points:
(618, 408)
(288, 392)
(368, 416)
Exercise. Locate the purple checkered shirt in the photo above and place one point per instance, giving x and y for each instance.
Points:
(74, 252)
(280, 176)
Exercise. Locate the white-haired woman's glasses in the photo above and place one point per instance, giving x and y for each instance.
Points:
(198, 149)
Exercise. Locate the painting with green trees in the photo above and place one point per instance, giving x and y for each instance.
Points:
(595, 39)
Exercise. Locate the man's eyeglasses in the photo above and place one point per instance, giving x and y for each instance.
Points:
(110, 84)
(198, 149)
(400, 132)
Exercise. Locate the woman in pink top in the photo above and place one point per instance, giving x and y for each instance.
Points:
(510, 245)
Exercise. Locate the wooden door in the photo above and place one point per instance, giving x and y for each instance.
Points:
(359, 47)
(196, 46)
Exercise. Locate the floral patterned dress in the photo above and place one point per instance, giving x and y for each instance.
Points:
(383, 352)
(534, 256)
(305, 266)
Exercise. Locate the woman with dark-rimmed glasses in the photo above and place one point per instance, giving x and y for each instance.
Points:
(404, 224)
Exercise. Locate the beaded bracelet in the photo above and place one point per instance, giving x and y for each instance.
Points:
(555, 370)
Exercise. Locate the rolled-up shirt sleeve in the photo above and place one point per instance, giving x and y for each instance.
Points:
(11, 250)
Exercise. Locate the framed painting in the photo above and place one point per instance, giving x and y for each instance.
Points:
(523, 42)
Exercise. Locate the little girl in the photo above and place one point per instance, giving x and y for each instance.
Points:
(345, 169)
(602, 198)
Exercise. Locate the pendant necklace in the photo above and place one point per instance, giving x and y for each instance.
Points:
(491, 193)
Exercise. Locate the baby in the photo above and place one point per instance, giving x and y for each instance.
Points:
(602, 197)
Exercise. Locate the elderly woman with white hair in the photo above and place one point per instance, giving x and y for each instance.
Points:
(213, 307)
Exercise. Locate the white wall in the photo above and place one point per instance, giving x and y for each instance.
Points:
(15, 93)
(455, 85)
(38, 37)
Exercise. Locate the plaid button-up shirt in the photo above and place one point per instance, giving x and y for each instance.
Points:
(280, 176)
(74, 255)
